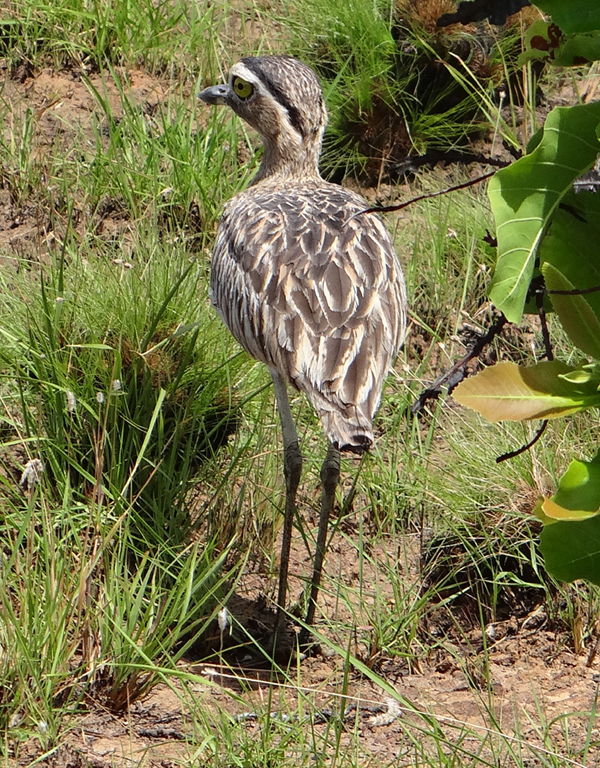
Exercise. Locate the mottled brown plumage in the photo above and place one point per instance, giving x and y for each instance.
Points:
(306, 282)
(313, 293)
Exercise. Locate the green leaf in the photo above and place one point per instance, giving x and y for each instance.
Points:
(577, 497)
(571, 244)
(579, 487)
(537, 43)
(552, 512)
(525, 195)
(549, 513)
(510, 392)
(577, 50)
(572, 15)
(540, 514)
(545, 41)
(579, 376)
(572, 549)
(576, 315)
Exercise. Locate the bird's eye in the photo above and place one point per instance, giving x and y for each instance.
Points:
(243, 88)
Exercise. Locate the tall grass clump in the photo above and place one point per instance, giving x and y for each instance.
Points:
(397, 85)
(113, 403)
(79, 622)
(131, 163)
(164, 164)
(111, 371)
(119, 388)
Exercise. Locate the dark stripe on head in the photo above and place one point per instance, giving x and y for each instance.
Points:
(253, 65)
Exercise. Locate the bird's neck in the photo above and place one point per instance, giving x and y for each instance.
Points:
(287, 161)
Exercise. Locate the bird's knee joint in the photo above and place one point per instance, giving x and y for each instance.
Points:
(292, 463)
(330, 475)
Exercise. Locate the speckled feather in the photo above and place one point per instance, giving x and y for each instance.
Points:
(307, 286)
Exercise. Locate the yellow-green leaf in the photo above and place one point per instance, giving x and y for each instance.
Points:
(554, 511)
(579, 376)
(510, 392)
(538, 511)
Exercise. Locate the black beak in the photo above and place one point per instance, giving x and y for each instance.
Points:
(216, 94)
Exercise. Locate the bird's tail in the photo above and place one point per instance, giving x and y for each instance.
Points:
(349, 429)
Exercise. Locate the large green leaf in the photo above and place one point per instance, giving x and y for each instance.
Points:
(576, 315)
(572, 15)
(571, 244)
(572, 549)
(510, 392)
(525, 195)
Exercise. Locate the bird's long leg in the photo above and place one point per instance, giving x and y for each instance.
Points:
(330, 477)
(292, 470)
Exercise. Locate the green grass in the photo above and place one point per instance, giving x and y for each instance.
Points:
(95, 34)
(162, 484)
(397, 86)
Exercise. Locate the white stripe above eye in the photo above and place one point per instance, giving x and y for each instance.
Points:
(241, 70)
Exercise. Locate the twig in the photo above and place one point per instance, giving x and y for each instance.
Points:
(456, 374)
(572, 292)
(539, 299)
(523, 448)
(412, 163)
(400, 206)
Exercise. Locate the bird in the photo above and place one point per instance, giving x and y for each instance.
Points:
(306, 280)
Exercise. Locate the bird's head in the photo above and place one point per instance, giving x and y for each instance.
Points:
(280, 97)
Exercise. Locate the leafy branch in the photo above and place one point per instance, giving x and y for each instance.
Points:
(547, 235)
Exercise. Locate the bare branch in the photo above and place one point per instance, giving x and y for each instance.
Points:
(572, 292)
(400, 206)
(457, 373)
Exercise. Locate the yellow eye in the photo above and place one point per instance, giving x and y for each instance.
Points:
(243, 89)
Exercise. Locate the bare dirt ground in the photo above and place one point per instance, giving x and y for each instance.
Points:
(526, 680)
(535, 676)
(62, 106)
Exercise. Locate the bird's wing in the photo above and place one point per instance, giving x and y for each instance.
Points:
(316, 292)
